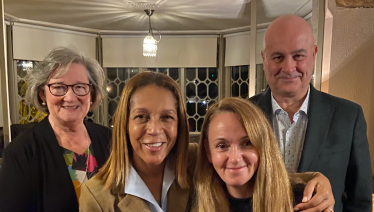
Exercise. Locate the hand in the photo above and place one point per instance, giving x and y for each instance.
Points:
(323, 200)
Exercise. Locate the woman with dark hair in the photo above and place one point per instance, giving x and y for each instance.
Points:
(151, 163)
(43, 168)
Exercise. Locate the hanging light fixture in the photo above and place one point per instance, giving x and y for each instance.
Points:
(150, 43)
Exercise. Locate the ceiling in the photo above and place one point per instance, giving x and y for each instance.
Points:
(170, 15)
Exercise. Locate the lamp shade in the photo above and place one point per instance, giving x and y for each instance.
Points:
(149, 46)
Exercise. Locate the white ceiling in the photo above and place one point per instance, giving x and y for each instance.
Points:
(170, 15)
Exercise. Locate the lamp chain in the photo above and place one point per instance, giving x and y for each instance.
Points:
(150, 26)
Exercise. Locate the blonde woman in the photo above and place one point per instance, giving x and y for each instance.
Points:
(239, 165)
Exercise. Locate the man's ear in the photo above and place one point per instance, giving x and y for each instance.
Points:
(315, 50)
(263, 56)
(207, 150)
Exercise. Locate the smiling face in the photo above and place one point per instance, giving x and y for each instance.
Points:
(70, 108)
(152, 125)
(289, 56)
(231, 152)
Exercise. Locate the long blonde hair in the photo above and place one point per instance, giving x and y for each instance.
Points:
(115, 171)
(272, 189)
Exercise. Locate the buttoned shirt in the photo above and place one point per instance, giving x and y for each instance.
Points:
(290, 136)
(136, 187)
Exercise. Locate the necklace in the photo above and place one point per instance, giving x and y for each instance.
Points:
(87, 163)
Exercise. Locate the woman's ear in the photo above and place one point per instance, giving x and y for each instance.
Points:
(207, 150)
(42, 95)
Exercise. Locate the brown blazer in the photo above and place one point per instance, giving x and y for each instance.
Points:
(94, 198)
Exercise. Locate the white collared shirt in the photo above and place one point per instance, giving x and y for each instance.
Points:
(290, 136)
(135, 186)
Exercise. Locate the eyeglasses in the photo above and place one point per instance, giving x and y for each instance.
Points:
(59, 89)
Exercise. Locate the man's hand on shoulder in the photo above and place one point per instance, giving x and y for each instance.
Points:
(323, 199)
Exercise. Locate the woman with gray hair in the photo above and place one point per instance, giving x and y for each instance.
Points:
(43, 168)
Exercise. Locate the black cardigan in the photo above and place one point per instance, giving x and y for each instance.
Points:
(34, 176)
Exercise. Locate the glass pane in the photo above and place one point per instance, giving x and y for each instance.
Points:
(190, 74)
(174, 73)
(112, 90)
(213, 90)
(201, 90)
(201, 108)
(201, 72)
(23, 108)
(24, 121)
(244, 73)
(121, 86)
(191, 108)
(213, 74)
(163, 70)
(192, 123)
(111, 73)
(22, 87)
(133, 72)
(191, 90)
(244, 90)
(200, 124)
(235, 73)
(90, 116)
(22, 68)
(211, 103)
(235, 90)
(123, 74)
(112, 107)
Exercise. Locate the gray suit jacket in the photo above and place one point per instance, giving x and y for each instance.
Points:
(335, 145)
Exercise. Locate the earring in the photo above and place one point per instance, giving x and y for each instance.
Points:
(90, 103)
(43, 103)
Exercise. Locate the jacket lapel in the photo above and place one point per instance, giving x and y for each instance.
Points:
(177, 200)
(54, 165)
(133, 203)
(177, 197)
(319, 118)
(264, 102)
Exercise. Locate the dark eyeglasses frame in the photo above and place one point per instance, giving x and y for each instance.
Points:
(72, 88)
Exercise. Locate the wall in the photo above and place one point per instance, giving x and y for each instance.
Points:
(351, 74)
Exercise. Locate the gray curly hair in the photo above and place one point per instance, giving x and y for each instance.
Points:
(58, 62)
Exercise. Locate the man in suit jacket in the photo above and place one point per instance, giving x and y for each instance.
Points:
(315, 131)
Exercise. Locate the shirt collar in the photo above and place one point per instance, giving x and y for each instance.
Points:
(136, 186)
(304, 106)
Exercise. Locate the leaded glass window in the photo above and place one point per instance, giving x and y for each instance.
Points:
(27, 112)
(116, 81)
(240, 81)
(172, 72)
(201, 92)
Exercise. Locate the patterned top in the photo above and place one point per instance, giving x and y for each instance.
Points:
(77, 166)
(290, 136)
